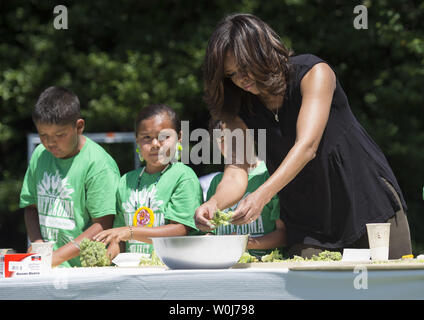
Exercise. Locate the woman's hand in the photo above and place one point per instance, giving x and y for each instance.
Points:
(113, 235)
(250, 208)
(203, 214)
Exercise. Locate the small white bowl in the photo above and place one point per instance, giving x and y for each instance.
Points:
(129, 259)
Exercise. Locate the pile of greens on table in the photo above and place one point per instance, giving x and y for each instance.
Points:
(276, 256)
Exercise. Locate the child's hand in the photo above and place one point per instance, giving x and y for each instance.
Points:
(113, 250)
(113, 235)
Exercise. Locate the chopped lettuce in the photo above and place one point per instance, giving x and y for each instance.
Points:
(246, 257)
(274, 256)
(154, 260)
(222, 218)
(93, 254)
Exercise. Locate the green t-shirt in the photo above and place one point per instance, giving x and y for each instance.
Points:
(70, 192)
(173, 195)
(266, 221)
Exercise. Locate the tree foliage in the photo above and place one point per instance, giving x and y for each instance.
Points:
(118, 56)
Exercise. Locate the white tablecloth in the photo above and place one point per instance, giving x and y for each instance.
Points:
(230, 284)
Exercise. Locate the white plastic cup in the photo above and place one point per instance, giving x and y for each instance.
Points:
(378, 238)
(45, 249)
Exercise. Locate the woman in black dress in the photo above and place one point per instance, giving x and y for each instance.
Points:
(330, 176)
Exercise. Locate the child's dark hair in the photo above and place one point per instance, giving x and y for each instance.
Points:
(156, 109)
(57, 105)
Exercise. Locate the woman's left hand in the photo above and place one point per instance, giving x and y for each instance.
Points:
(113, 235)
(250, 208)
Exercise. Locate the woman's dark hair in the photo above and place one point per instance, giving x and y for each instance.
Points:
(257, 49)
(156, 109)
(214, 124)
(57, 105)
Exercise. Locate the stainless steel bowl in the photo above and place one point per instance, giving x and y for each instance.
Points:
(200, 252)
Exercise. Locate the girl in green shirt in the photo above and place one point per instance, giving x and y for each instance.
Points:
(160, 198)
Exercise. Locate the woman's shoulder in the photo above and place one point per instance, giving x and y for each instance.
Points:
(305, 59)
(302, 63)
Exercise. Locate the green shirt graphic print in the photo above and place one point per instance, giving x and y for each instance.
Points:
(70, 192)
(173, 195)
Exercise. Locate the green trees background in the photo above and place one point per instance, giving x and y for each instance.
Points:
(118, 56)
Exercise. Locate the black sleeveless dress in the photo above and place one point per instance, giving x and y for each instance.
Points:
(329, 202)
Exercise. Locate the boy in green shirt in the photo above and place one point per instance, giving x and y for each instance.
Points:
(268, 231)
(70, 184)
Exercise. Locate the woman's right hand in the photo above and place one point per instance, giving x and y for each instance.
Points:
(204, 214)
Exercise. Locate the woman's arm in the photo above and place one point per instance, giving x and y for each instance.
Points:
(231, 188)
(317, 89)
(234, 180)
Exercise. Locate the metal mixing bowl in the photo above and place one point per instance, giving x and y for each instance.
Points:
(200, 252)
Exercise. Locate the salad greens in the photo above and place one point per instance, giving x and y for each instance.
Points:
(93, 254)
(246, 257)
(152, 261)
(222, 218)
(273, 256)
(276, 256)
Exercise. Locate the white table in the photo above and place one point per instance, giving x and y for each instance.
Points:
(271, 281)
